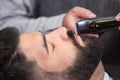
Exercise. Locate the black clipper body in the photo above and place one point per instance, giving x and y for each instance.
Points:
(96, 25)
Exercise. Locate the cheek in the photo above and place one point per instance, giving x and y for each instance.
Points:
(41, 56)
(66, 53)
(61, 59)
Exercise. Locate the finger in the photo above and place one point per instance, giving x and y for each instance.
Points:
(70, 23)
(118, 17)
(82, 12)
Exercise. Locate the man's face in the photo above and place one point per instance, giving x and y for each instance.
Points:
(53, 52)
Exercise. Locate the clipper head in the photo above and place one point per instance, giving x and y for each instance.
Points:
(82, 26)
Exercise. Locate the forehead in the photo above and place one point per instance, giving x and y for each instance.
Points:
(30, 37)
(31, 42)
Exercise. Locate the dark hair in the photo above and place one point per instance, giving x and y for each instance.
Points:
(13, 65)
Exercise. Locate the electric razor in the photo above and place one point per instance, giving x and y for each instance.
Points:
(96, 25)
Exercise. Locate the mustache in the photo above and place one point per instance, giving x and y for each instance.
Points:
(70, 34)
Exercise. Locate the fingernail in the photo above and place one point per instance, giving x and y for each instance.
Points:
(92, 15)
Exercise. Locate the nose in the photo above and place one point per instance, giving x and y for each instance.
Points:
(59, 33)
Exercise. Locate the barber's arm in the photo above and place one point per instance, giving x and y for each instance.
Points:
(21, 14)
(118, 18)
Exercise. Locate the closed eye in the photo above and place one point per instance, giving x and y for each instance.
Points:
(45, 43)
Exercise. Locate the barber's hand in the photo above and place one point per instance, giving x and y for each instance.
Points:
(118, 18)
(74, 15)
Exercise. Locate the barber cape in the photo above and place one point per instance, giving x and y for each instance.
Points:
(107, 77)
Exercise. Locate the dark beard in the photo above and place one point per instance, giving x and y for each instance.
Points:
(87, 59)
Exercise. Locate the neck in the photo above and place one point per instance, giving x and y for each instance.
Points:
(99, 72)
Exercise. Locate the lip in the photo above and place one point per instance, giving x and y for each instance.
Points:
(80, 41)
(93, 35)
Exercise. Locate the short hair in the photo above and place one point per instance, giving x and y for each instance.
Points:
(12, 66)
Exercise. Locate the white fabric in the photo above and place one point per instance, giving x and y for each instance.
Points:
(107, 77)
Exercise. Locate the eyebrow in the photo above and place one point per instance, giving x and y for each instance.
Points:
(45, 42)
